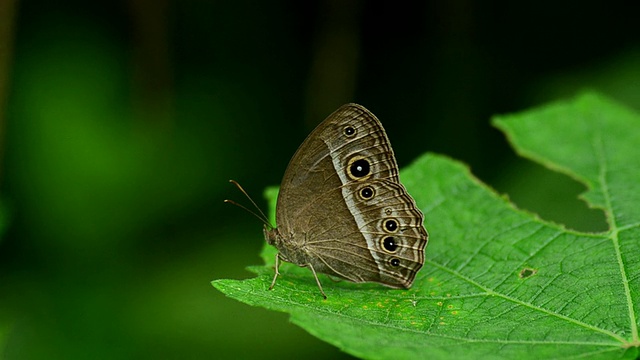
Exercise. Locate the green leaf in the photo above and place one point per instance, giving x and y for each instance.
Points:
(498, 282)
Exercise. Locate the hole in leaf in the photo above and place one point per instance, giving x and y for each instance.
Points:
(527, 273)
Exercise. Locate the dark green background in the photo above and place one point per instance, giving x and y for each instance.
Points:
(122, 122)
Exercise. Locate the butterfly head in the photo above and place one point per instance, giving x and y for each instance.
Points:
(271, 235)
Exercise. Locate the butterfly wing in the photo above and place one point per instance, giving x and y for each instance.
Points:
(342, 208)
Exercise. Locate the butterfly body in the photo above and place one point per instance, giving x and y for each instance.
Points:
(342, 210)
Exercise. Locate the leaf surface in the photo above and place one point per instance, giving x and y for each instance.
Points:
(498, 282)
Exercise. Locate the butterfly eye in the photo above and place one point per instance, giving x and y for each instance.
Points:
(389, 244)
(359, 168)
(367, 193)
(349, 131)
(394, 262)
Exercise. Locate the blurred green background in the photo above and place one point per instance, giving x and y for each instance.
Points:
(121, 122)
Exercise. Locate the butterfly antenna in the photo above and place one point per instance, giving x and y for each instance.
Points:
(262, 217)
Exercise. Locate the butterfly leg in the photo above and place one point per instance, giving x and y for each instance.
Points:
(317, 280)
(273, 283)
